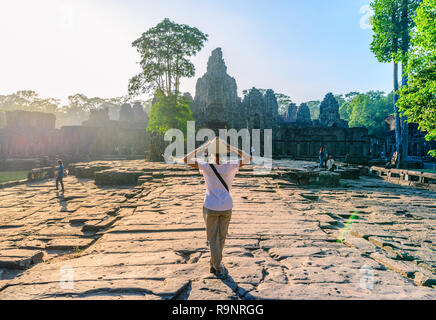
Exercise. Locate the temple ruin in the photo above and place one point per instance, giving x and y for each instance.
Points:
(217, 105)
(30, 136)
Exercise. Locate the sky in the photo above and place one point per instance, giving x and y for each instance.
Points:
(304, 49)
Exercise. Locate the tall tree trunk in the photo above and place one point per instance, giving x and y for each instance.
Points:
(405, 46)
(169, 76)
(176, 81)
(404, 128)
(397, 116)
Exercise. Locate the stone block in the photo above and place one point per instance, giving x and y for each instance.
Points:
(69, 244)
(99, 225)
(402, 267)
(349, 173)
(328, 179)
(117, 177)
(86, 171)
(19, 258)
(41, 174)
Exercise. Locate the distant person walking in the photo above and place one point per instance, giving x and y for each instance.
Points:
(60, 174)
(321, 157)
(325, 157)
(218, 202)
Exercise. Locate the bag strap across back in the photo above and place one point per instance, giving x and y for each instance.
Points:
(219, 177)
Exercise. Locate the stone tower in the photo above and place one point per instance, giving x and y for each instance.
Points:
(216, 104)
(329, 113)
(271, 109)
(303, 115)
(126, 113)
(254, 110)
(139, 115)
(291, 114)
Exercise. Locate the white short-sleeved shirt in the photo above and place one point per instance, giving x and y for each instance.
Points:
(217, 197)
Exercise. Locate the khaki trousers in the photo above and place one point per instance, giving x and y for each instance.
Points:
(217, 226)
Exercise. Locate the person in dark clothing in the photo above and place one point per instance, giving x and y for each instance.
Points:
(60, 175)
(325, 157)
(321, 157)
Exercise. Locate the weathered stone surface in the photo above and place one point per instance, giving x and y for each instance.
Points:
(97, 117)
(349, 173)
(86, 171)
(291, 114)
(217, 105)
(19, 258)
(139, 115)
(216, 98)
(310, 196)
(254, 107)
(329, 179)
(117, 177)
(19, 119)
(40, 174)
(67, 244)
(97, 225)
(126, 113)
(425, 279)
(271, 109)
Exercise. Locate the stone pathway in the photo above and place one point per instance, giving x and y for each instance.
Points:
(365, 240)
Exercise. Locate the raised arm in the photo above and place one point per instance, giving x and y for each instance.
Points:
(190, 158)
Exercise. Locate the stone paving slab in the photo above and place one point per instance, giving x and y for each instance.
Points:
(365, 239)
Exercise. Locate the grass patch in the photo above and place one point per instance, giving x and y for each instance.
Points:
(7, 176)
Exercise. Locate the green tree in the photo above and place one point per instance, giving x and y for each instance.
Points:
(418, 98)
(28, 100)
(283, 101)
(344, 104)
(392, 23)
(369, 110)
(169, 113)
(164, 51)
(80, 106)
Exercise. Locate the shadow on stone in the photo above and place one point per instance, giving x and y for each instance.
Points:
(240, 292)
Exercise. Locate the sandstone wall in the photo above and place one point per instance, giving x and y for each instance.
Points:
(32, 136)
(27, 135)
(24, 120)
(82, 143)
(306, 142)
